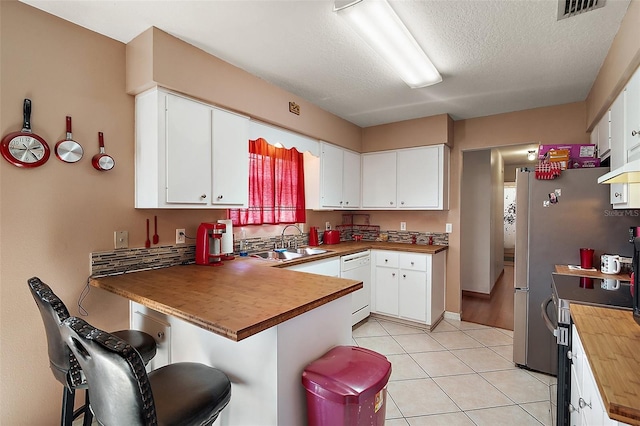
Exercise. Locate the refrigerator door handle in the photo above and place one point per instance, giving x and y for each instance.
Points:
(543, 310)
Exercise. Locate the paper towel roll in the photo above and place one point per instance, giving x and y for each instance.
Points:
(226, 243)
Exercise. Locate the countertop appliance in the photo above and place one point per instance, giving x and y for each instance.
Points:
(357, 266)
(567, 289)
(331, 236)
(209, 244)
(550, 233)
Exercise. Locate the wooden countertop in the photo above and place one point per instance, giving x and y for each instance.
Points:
(611, 340)
(564, 270)
(235, 300)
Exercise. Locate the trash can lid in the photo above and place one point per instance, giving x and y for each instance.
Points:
(347, 374)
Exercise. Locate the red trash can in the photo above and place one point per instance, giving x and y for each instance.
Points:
(347, 386)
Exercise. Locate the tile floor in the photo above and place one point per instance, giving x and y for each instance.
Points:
(459, 374)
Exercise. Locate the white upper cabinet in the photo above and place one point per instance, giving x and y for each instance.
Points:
(600, 136)
(339, 177)
(632, 117)
(412, 178)
(189, 154)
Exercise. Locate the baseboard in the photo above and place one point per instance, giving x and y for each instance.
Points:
(453, 316)
(476, 294)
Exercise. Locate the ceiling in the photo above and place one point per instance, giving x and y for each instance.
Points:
(495, 56)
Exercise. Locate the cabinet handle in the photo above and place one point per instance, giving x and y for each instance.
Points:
(582, 403)
(571, 355)
(203, 196)
(617, 195)
(411, 263)
(160, 335)
(219, 197)
(393, 274)
(390, 203)
(346, 202)
(340, 202)
(386, 260)
(635, 132)
(404, 275)
(573, 409)
(402, 202)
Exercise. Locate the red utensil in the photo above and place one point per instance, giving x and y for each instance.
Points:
(147, 243)
(156, 238)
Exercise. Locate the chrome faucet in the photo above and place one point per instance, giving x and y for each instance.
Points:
(282, 235)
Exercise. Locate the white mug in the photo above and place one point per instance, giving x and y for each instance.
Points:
(610, 284)
(610, 264)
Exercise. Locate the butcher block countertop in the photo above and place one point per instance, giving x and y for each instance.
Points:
(235, 300)
(611, 340)
(564, 270)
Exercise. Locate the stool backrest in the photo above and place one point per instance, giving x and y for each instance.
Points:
(120, 388)
(53, 311)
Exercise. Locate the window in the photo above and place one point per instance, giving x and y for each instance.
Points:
(276, 186)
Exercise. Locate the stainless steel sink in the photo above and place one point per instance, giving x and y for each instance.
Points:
(289, 254)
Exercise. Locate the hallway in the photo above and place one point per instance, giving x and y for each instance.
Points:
(496, 310)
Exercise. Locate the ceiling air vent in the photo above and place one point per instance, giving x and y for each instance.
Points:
(569, 8)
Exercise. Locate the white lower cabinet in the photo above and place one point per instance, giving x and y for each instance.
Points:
(587, 408)
(409, 286)
(328, 267)
(149, 321)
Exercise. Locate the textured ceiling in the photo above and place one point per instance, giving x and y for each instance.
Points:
(495, 56)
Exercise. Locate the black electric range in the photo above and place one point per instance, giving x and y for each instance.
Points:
(569, 289)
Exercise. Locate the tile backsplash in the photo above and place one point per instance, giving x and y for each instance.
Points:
(137, 259)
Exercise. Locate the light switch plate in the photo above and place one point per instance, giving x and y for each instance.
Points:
(403, 226)
(448, 228)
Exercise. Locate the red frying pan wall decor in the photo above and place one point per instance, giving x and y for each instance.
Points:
(68, 150)
(102, 161)
(25, 148)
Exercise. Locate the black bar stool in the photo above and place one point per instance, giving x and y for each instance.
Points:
(122, 393)
(63, 363)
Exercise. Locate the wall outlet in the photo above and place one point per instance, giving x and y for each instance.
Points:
(180, 236)
(327, 226)
(403, 226)
(121, 239)
(448, 228)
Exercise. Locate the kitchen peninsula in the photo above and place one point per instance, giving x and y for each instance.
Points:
(260, 325)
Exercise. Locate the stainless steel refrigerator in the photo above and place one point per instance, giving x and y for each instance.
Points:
(554, 219)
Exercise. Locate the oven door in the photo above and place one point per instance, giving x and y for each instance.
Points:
(559, 324)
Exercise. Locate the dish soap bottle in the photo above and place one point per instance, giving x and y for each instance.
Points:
(243, 243)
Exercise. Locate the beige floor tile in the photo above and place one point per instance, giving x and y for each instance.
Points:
(403, 367)
(507, 332)
(392, 411)
(502, 416)
(420, 398)
(456, 340)
(396, 422)
(384, 345)
(449, 419)
(465, 325)
(396, 329)
(370, 328)
(445, 326)
(441, 363)
(482, 359)
(418, 343)
(505, 352)
(544, 378)
(540, 410)
(520, 386)
(490, 337)
(471, 392)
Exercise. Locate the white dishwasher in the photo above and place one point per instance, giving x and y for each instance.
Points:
(357, 266)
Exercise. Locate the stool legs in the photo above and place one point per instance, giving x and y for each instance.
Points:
(68, 415)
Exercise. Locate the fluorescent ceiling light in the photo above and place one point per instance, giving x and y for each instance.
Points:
(377, 23)
(531, 155)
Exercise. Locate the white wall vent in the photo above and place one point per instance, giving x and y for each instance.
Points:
(569, 8)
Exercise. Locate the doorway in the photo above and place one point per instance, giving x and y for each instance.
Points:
(487, 272)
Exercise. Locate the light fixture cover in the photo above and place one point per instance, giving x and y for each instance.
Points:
(531, 155)
(380, 27)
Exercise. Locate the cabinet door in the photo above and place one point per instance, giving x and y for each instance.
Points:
(419, 177)
(230, 184)
(632, 117)
(387, 291)
(604, 142)
(412, 289)
(351, 180)
(331, 158)
(618, 154)
(188, 148)
(379, 180)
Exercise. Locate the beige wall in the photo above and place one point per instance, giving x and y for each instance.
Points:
(408, 134)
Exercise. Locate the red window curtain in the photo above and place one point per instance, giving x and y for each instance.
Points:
(276, 186)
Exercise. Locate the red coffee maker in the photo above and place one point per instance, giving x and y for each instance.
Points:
(208, 244)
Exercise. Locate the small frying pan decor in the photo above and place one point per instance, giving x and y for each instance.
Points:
(68, 150)
(102, 161)
(25, 148)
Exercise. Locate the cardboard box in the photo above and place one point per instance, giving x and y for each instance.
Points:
(575, 150)
(560, 156)
(581, 163)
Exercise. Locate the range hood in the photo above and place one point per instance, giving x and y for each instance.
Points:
(629, 173)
